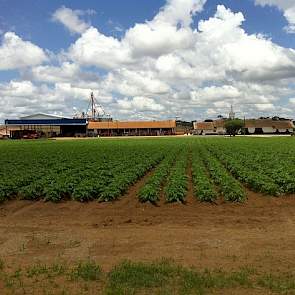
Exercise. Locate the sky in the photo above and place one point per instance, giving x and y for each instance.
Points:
(148, 59)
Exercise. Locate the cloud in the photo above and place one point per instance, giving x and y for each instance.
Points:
(66, 72)
(290, 16)
(135, 83)
(213, 93)
(179, 12)
(168, 31)
(288, 8)
(16, 53)
(94, 48)
(23, 97)
(169, 61)
(164, 67)
(71, 19)
(139, 103)
(265, 107)
(244, 56)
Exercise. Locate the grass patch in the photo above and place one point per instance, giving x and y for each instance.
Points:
(283, 284)
(88, 271)
(42, 269)
(165, 277)
(129, 278)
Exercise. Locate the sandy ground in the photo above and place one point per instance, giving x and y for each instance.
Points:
(259, 233)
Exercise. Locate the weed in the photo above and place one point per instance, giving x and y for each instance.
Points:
(130, 276)
(88, 271)
(2, 264)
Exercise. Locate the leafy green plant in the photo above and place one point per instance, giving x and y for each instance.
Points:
(203, 186)
(176, 187)
(88, 271)
(150, 192)
(230, 188)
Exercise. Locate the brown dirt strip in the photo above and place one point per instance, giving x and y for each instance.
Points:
(260, 233)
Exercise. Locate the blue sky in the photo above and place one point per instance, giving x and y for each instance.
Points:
(32, 21)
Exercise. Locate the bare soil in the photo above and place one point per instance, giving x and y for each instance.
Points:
(259, 233)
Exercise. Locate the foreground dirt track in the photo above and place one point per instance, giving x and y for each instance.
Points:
(260, 233)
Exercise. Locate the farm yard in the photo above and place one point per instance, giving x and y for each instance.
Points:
(221, 208)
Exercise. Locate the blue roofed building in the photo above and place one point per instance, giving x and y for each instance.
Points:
(44, 125)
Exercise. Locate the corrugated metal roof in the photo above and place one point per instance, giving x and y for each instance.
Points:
(47, 122)
(132, 124)
(42, 116)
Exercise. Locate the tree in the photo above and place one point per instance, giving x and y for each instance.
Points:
(233, 126)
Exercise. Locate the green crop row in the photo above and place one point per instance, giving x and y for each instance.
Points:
(257, 181)
(203, 186)
(265, 165)
(176, 187)
(104, 169)
(230, 188)
(150, 192)
(54, 171)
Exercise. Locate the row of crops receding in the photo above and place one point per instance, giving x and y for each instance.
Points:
(104, 170)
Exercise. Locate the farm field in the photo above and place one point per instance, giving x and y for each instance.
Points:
(221, 208)
(103, 170)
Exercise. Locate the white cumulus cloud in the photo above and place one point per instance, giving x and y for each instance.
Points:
(166, 67)
(71, 19)
(16, 53)
(288, 8)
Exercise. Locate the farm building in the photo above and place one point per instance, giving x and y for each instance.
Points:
(184, 127)
(132, 128)
(268, 126)
(3, 132)
(252, 126)
(209, 127)
(43, 125)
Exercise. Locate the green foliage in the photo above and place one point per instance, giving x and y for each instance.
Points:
(103, 170)
(88, 271)
(161, 277)
(230, 188)
(141, 275)
(176, 187)
(233, 126)
(250, 165)
(150, 192)
(82, 171)
(203, 187)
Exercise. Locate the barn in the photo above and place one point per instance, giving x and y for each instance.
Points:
(44, 125)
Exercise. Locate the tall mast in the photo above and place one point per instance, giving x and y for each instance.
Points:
(95, 110)
(92, 106)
